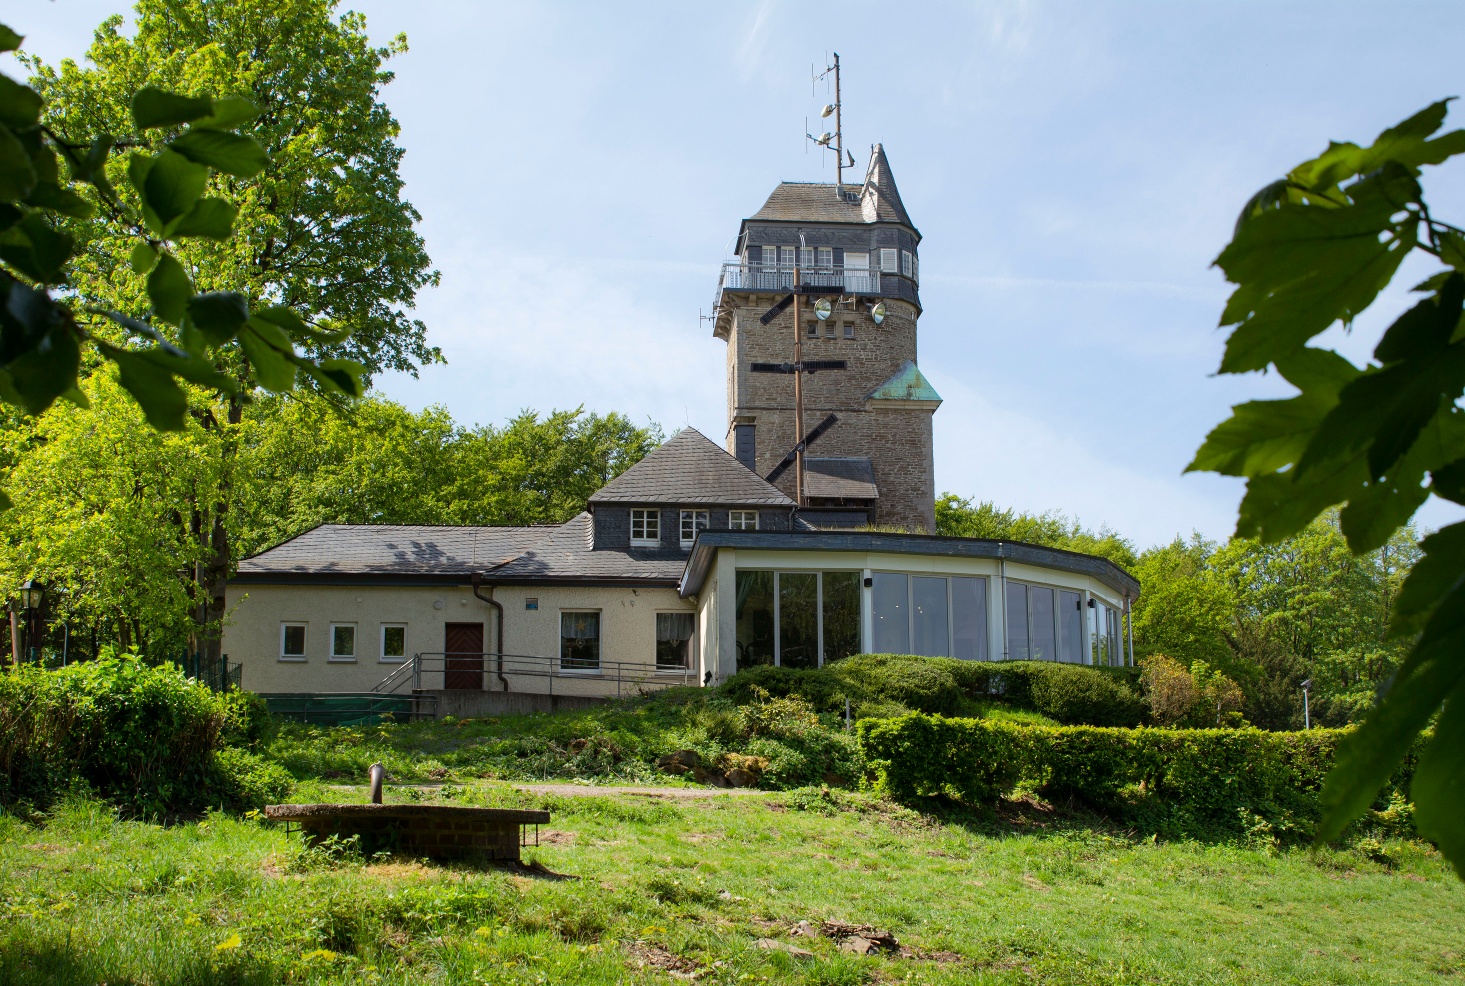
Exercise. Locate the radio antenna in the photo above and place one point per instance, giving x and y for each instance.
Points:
(835, 139)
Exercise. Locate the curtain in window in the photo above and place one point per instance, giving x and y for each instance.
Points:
(673, 627)
(580, 626)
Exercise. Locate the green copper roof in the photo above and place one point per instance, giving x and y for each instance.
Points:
(908, 384)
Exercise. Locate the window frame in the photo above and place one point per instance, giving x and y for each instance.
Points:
(737, 520)
(892, 255)
(824, 258)
(382, 657)
(599, 643)
(777, 589)
(302, 657)
(907, 264)
(849, 330)
(947, 577)
(650, 521)
(691, 658)
(332, 657)
(694, 514)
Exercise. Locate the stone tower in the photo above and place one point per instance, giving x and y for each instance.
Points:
(874, 466)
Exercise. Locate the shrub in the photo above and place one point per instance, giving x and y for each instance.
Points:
(139, 736)
(1183, 780)
(248, 721)
(242, 781)
(1197, 698)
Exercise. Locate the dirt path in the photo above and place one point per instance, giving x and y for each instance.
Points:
(595, 791)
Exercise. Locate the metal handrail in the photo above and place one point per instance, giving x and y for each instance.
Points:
(531, 668)
(738, 276)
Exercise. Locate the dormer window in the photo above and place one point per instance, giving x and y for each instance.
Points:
(645, 528)
(692, 522)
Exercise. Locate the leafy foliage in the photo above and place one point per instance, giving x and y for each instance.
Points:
(176, 333)
(958, 517)
(1197, 697)
(1181, 781)
(144, 738)
(1310, 250)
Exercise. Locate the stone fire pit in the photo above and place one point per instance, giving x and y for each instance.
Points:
(435, 831)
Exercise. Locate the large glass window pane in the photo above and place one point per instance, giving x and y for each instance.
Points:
(673, 641)
(1070, 627)
(891, 615)
(1017, 622)
(969, 619)
(1100, 614)
(798, 619)
(1045, 647)
(841, 615)
(755, 619)
(579, 641)
(928, 610)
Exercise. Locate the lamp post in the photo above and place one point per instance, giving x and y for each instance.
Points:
(1306, 711)
(32, 594)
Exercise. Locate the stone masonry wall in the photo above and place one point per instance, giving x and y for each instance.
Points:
(898, 442)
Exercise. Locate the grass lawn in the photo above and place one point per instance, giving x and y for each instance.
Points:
(634, 889)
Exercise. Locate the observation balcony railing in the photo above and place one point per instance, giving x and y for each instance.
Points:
(770, 278)
(524, 674)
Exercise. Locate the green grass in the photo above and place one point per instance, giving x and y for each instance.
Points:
(1022, 895)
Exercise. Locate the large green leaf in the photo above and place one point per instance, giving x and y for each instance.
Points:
(39, 252)
(49, 195)
(1300, 268)
(152, 107)
(219, 315)
(1277, 505)
(1438, 573)
(162, 400)
(340, 376)
(173, 185)
(47, 369)
(229, 113)
(1438, 788)
(9, 40)
(17, 174)
(20, 106)
(272, 368)
(169, 289)
(210, 217)
(1386, 504)
(298, 329)
(223, 151)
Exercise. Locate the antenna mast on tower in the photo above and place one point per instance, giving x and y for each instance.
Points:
(834, 109)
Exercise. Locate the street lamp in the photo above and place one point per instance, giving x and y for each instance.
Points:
(1306, 711)
(32, 594)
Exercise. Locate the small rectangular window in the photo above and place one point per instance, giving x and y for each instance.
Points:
(394, 642)
(849, 330)
(692, 522)
(813, 330)
(579, 641)
(826, 257)
(742, 520)
(786, 256)
(673, 641)
(531, 602)
(292, 641)
(645, 528)
(907, 265)
(343, 641)
(829, 329)
(888, 259)
(806, 257)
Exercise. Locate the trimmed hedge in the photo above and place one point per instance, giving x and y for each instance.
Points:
(1186, 780)
(881, 685)
(142, 737)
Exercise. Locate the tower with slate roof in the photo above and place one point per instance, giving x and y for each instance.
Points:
(874, 465)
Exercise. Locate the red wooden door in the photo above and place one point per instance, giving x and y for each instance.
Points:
(463, 666)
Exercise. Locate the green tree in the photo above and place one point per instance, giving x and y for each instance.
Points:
(1310, 250)
(310, 229)
(958, 517)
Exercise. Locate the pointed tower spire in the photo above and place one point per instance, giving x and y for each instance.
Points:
(879, 200)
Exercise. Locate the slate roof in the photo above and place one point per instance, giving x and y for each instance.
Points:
(691, 468)
(849, 478)
(877, 200)
(906, 384)
(384, 549)
(832, 520)
(567, 555)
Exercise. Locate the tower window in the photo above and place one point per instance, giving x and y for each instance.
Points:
(806, 256)
(849, 330)
(888, 259)
(907, 263)
(786, 256)
(813, 330)
(645, 528)
(826, 257)
(829, 329)
(692, 522)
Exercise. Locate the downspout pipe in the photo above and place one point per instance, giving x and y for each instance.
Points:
(498, 627)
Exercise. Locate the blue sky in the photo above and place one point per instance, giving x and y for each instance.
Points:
(1072, 167)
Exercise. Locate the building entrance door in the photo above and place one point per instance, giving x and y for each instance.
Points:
(463, 662)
